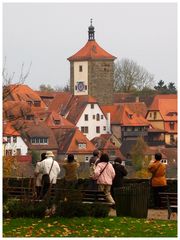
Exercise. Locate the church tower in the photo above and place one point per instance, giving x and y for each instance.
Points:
(91, 71)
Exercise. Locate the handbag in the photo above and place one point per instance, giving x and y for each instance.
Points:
(46, 178)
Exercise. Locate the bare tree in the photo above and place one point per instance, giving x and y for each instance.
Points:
(128, 76)
(8, 78)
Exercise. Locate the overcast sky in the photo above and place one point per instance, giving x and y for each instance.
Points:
(48, 33)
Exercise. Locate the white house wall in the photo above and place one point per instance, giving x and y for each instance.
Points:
(93, 123)
(20, 144)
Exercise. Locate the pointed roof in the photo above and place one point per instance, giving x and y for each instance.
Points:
(68, 140)
(167, 105)
(9, 130)
(124, 115)
(91, 51)
(60, 121)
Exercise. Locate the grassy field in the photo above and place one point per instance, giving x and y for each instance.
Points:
(88, 227)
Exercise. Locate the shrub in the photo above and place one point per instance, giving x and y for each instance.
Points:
(25, 208)
(78, 209)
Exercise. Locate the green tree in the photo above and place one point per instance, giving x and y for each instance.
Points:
(172, 88)
(162, 88)
(35, 157)
(129, 76)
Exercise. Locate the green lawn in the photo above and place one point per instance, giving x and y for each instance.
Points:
(88, 227)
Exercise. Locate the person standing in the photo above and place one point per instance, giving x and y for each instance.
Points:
(71, 176)
(38, 176)
(51, 167)
(120, 172)
(92, 165)
(158, 180)
(104, 174)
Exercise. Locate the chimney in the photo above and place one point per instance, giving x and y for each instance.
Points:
(108, 122)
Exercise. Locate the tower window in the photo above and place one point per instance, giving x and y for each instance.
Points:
(80, 68)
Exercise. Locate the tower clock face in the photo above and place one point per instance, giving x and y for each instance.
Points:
(80, 86)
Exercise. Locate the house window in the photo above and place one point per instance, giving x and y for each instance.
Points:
(30, 117)
(86, 117)
(94, 116)
(171, 124)
(97, 129)
(92, 106)
(9, 139)
(172, 140)
(164, 161)
(14, 139)
(37, 103)
(80, 68)
(97, 117)
(84, 129)
(56, 122)
(150, 115)
(155, 115)
(86, 159)
(11, 117)
(39, 140)
(82, 145)
(8, 152)
(102, 116)
(18, 151)
(104, 128)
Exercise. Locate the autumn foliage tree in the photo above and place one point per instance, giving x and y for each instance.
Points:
(139, 160)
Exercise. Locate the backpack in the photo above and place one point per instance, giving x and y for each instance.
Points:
(92, 168)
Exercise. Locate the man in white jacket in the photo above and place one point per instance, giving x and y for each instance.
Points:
(51, 167)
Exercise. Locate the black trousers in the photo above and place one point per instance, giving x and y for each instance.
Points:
(156, 191)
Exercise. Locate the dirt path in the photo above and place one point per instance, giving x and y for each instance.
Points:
(152, 214)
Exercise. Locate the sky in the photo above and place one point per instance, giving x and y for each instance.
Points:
(46, 34)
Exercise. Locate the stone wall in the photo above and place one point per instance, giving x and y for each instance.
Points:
(100, 75)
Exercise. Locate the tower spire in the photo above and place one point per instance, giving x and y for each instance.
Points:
(91, 32)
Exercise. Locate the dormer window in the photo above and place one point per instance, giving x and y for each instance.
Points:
(37, 103)
(130, 115)
(30, 117)
(56, 122)
(82, 145)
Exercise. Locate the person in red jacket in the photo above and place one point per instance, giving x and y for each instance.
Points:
(158, 180)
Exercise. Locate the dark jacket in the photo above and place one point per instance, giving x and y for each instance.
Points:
(120, 173)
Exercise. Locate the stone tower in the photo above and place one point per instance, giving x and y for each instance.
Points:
(91, 71)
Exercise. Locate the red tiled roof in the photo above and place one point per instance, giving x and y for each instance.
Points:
(106, 146)
(31, 129)
(91, 51)
(68, 139)
(63, 122)
(20, 92)
(9, 130)
(60, 101)
(120, 114)
(166, 104)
